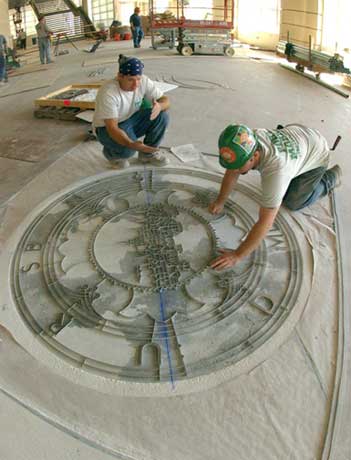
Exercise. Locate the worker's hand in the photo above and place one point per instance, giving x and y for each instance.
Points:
(156, 109)
(141, 147)
(227, 259)
(216, 207)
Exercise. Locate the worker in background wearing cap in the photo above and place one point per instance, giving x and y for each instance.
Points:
(135, 25)
(127, 108)
(292, 162)
(44, 34)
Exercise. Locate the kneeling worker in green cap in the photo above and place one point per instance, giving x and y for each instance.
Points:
(292, 161)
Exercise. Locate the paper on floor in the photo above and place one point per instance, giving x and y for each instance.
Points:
(87, 115)
(186, 152)
(165, 87)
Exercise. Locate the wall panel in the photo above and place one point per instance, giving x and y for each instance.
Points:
(4, 19)
(302, 19)
(257, 22)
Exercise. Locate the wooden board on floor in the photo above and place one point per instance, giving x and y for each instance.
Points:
(50, 100)
(27, 69)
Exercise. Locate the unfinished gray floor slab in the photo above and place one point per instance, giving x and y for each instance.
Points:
(8, 168)
(44, 440)
(23, 84)
(276, 411)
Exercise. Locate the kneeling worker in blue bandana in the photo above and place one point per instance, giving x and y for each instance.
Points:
(127, 108)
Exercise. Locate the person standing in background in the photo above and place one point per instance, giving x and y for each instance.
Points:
(23, 39)
(3, 52)
(135, 25)
(44, 33)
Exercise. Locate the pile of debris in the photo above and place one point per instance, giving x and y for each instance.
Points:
(165, 17)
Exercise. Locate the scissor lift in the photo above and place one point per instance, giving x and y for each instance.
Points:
(201, 29)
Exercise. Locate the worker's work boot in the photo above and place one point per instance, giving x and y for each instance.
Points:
(336, 170)
(119, 164)
(156, 159)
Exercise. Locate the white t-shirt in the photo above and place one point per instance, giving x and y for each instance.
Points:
(285, 154)
(113, 102)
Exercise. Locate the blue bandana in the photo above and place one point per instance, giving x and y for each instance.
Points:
(132, 66)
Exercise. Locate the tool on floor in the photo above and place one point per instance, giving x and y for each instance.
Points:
(336, 143)
(94, 47)
(59, 40)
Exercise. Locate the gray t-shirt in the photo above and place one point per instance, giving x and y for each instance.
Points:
(43, 30)
(286, 154)
(113, 102)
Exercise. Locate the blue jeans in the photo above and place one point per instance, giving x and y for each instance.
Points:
(2, 67)
(138, 34)
(308, 188)
(44, 50)
(136, 126)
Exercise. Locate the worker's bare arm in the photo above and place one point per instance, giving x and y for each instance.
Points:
(159, 106)
(164, 102)
(230, 178)
(121, 137)
(258, 232)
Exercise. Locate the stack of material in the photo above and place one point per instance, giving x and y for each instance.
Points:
(165, 17)
(306, 56)
(70, 94)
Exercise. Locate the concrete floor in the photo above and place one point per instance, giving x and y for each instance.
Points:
(261, 94)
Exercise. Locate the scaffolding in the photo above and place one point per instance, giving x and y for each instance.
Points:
(202, 27)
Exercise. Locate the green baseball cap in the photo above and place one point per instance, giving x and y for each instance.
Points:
(237, 144)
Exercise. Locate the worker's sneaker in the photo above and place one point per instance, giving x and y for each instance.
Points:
(119, 164)
(336, 170)
(156, 159)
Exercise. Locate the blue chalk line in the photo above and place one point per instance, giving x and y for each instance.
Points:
(165, 333)
(162, 300)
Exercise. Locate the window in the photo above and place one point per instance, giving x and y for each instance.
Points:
(102, 12)
(259, 16)
(336, 35)
(28, 21)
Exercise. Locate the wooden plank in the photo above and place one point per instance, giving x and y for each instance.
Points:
(66, 103)
(66, 88)
(50, 101)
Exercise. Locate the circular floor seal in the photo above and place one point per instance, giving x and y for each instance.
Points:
(112, 280)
